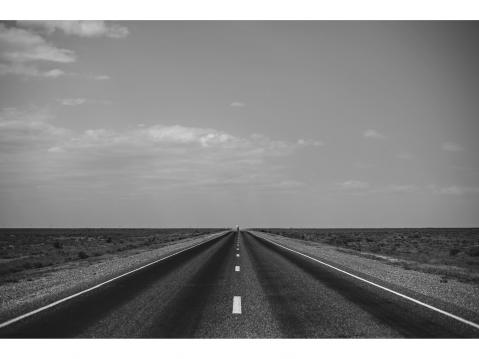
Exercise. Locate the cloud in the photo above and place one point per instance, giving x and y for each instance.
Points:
(363, 165)
(72, 101)
(451, 147)
(454, 190)
(398, 188)
(373, 134)
(148, 158)
(31, 71)
(404, 156)
(84, 28)
(21, 51)
(353, 185)
(314, 143)
(20, 46)
(100, 77)
(26, 130)
(24, 52)
(237, 104)
(365, 188)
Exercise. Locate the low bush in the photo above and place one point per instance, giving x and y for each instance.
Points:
(453, 251)
(82, 255)
(473, 251)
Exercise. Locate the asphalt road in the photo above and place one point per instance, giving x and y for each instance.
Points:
(238, 286)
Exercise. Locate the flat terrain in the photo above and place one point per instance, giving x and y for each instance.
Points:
(24, 251)
(452, 253)
(241, 285)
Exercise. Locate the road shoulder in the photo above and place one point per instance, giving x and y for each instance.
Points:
(451, 295)
(63, 280)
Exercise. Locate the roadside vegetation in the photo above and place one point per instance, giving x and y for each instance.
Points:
(33, 249)
(449, 252)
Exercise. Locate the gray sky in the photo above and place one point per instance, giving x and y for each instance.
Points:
(319, 124)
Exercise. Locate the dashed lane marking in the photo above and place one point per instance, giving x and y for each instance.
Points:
(236, 305)
(237, 268)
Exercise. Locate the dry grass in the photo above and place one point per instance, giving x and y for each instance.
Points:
(449, 252)
(25, 249)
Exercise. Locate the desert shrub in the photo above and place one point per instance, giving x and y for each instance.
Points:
(473, 251)
(57, 245)
(82, 255)
(453, 251)
(109, 240)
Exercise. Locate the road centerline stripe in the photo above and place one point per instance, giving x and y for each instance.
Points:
(236, 305)
(237, 268)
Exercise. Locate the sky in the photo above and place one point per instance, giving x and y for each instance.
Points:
(261, 124)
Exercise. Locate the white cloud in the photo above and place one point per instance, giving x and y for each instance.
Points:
(398, 188)
(84, 28)
(21, 51)
(101, 77)
(237, 104)
(451, 147)
(25, 130)
(363, 165)
(454, 190)
(24, 52)
(373, 134)
(405, 156)
(53, 73)
(365, 188)
(314, 143)
(72, 101)
(20, 46)
(353, 185)
(181, 134)
(152, 156)
(32, 71)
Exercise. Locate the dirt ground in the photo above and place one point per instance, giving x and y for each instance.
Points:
(22, 250)
(450, 252)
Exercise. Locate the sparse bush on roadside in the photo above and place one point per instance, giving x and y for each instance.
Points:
(453, 251)
(82, 255)
(57, 245)
(473, 251)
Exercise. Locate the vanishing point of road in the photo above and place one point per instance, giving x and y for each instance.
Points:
(239, 286)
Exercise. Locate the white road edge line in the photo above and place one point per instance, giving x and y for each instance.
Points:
(450, 315)
(236, 305)
(237, 268)
(29, 314)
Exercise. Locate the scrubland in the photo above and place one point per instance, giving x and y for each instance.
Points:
(25, 252)
(449, 252)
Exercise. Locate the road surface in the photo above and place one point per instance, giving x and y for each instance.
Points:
(238, 286)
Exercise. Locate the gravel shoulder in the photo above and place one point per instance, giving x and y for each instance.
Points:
(461, 298)
(44, 286)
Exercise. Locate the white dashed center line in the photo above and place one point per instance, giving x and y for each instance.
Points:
(237, 268)
(236, 305)
(237, 255)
